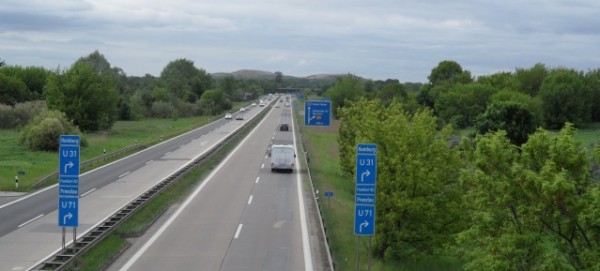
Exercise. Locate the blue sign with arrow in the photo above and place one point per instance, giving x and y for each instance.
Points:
(317, 113)
(365, 190)
(68, 212)
(364, 219)
(68, 179)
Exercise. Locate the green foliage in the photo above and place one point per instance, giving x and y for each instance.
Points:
(392, 91)
(43, 132)
(214, 102)
(34, 79)
(184, 80)
(530, 80)
(534, 105)
(347, 88)
(449, 71)
(565, 98)
(84, 95)
(461, 104)
(20, 114)
(500, 81)
(514, 118)
(592, 79)
(419, 203)
(12, 90)
(533, 209)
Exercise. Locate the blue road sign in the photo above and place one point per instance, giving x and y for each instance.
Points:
(365, 196)
(317, 113)
(364, 219)
(68, 212)
(366, 164)
(328, 194)
(68, 180)
(69, 160)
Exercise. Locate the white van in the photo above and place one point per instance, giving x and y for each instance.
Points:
(282, 157)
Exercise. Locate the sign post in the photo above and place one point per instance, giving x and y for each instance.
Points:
(364, 194)
(68, 184)
(317, 113)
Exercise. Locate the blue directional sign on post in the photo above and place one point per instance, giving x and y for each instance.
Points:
(317, 113)
(365, 196)
(68, 181)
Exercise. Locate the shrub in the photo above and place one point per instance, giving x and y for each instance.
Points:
(43, 132)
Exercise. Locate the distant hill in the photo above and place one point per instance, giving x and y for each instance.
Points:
(262, 75)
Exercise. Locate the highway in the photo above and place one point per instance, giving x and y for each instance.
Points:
(242, 217)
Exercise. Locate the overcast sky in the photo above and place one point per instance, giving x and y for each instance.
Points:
(377, 39)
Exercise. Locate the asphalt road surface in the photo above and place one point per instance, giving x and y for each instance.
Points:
(242, 216)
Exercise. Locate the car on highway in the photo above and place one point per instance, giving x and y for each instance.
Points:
(284, 127)
(287, 104)
(253, 104)
(243, 109)
(239, 117)
(228, 116)
(262, 103)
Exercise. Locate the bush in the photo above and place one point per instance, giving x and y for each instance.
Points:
(43, 132)
(162, 110)
(20, 114)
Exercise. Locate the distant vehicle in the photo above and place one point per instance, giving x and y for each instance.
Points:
(253, 104)
(284, 127)
(282, 158)
(287, 104)
(262, 103)
(239, 117)
(228, 116)
(243, 109)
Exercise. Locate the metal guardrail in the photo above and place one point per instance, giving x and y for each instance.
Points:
(64, 259)
(91, 162)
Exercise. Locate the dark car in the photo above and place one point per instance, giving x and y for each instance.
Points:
(284, 127)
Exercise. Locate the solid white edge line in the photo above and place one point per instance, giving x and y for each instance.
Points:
(164, 227)
(237, 232)
(88, 192)
(250, 199)
(308, 263)
(30, 220)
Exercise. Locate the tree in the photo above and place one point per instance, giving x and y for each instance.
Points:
(214, 102)
(88, 98)
(12, 90)
(418, 197)
(512, 117)
(184, 80)
(534, 105)
(533, 209)
(592, 79)
(530, 80)
(461, 104)
(347, 88)
(565, 98)
(391, 91)
(449, 71)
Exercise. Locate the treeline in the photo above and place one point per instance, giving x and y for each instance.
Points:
(529, 200)
(91, 95)
(518, 102)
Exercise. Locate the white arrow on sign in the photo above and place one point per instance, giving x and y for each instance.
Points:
(365, 173)
(309, 117)
(69, 215)
(363, 225)
(68, 165)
